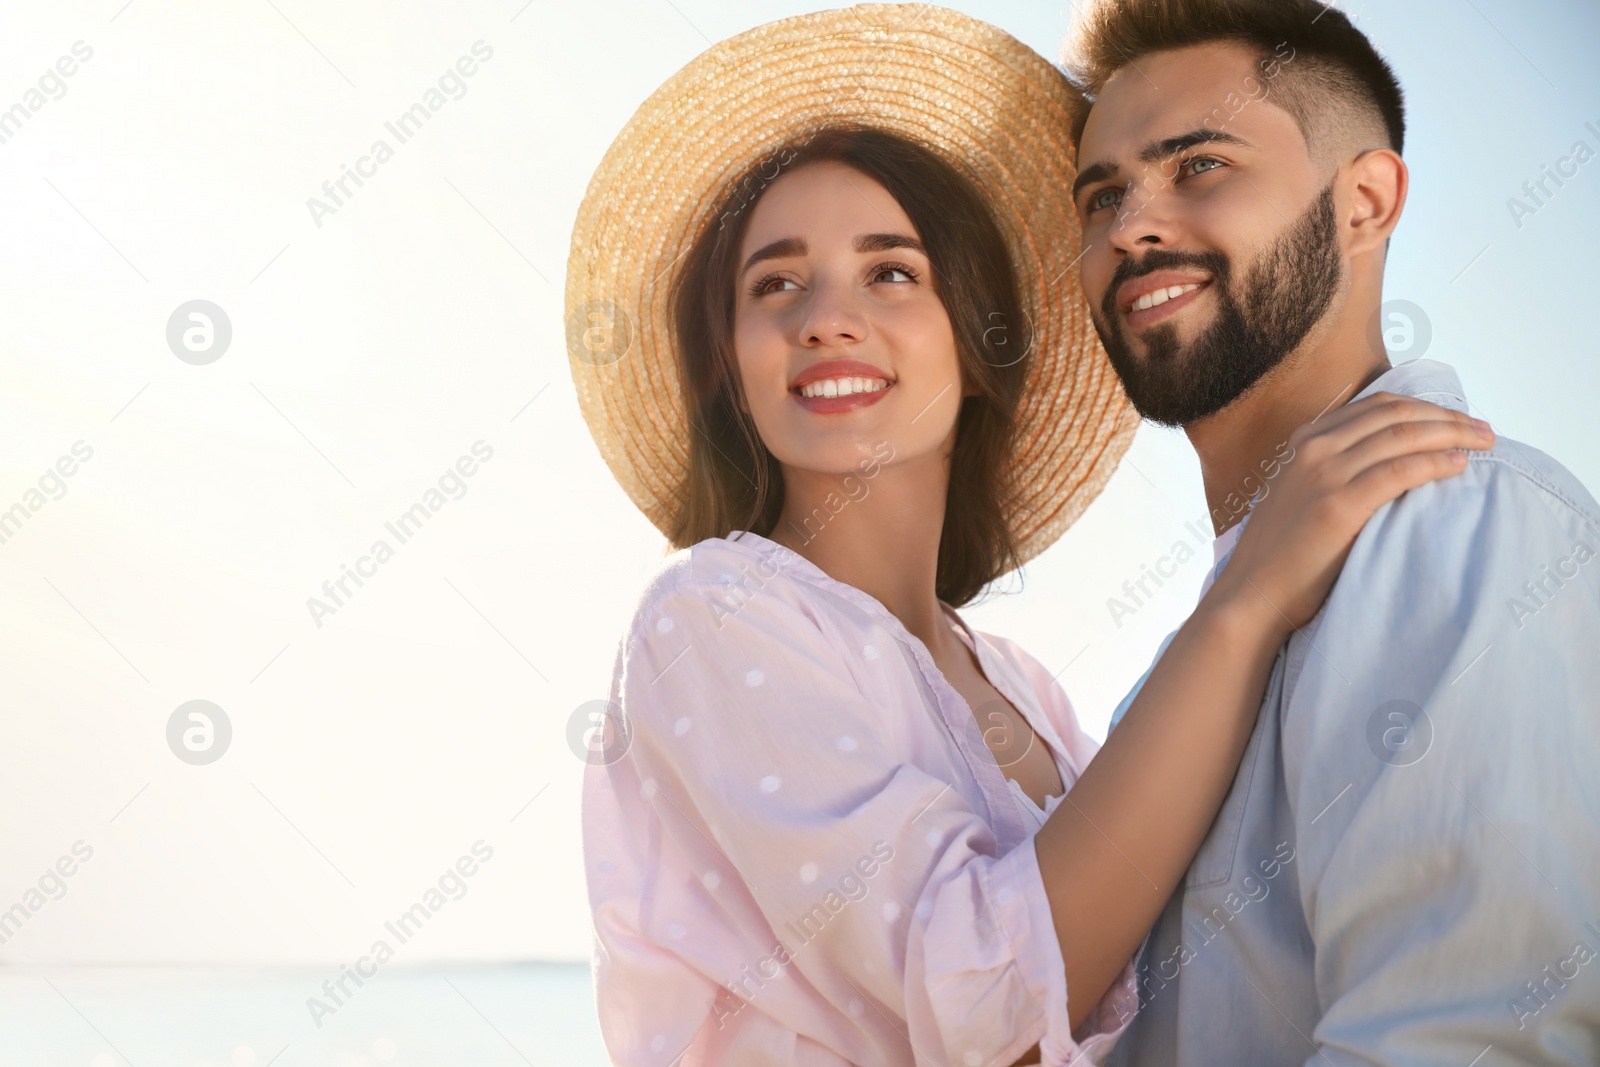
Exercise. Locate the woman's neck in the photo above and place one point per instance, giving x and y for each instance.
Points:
(879, 534)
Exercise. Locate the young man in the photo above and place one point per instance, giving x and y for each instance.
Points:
(1407, 870)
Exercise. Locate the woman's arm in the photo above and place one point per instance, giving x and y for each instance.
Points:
(1114, 850)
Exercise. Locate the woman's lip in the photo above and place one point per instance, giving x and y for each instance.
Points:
(831, 405)
(1152, 315)
(837, 368)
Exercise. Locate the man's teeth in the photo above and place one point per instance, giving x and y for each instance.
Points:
(1161, 296)
(843, 386)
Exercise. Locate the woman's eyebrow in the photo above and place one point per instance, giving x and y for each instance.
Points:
(883, 242)
(866, 242)
(779, 249)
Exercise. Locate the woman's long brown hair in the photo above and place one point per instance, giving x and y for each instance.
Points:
(735, 483)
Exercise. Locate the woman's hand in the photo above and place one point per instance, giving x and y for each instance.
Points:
(1344, 466)
(1111, 858)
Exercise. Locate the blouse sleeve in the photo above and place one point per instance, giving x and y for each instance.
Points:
(882, 886)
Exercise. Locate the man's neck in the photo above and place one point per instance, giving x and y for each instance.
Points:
(1243, 447)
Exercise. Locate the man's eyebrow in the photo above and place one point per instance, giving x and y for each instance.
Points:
(1095, 172)
(866, 242)
(1156, 151)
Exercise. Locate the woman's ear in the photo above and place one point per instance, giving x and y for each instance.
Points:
(1377, 181)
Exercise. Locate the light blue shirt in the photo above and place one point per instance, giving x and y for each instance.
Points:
(1407, 868)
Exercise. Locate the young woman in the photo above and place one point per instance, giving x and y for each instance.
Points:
(830, 823)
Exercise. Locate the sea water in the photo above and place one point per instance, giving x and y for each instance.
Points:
(449, 1016)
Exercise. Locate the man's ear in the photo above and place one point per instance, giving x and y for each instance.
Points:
(1377, 182)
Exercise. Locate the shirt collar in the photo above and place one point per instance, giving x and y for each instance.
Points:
(1224, 542)
(1426, 379)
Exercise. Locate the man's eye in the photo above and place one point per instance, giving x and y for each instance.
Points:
(1105, 198)
(1201, 165)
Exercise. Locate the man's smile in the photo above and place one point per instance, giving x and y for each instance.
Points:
(1153, 297)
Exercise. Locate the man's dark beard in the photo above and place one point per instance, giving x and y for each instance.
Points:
(1286, 292)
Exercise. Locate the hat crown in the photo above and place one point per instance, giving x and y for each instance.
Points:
(990, 105)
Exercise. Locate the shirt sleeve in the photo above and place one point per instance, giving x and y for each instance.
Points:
(1439, 748)
(1127, 702)
(748, 729)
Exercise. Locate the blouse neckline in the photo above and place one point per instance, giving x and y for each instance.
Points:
(994, 782)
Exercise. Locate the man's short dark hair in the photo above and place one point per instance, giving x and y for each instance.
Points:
(1333, 81)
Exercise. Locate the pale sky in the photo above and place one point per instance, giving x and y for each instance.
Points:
(419, 322)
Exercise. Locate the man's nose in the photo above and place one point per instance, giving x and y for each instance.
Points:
(1144, 219)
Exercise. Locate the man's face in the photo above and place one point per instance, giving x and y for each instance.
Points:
(1212, 236)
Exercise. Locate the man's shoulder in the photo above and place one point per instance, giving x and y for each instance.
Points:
(1511, 488)
(1519, 468)
(1455, 567)
(1442, 567)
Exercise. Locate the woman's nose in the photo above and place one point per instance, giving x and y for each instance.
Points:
(833, 316)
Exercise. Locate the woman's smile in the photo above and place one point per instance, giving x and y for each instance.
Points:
(837, 310)
(839, 385)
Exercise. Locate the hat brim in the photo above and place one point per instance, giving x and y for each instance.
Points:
(986, 102)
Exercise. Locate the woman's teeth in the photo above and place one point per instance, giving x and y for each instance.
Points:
(843, 386)
(1161, 296)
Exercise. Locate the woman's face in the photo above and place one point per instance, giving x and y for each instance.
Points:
(833, 285)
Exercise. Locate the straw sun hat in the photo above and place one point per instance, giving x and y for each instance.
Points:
(982, 100)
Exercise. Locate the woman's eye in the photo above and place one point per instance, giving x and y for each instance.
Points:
(771, 284)
(905, 273)
(1105, 198)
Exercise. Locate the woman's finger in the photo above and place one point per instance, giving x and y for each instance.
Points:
(1383, 482)
(1336, 417)
(1407, 438)
(1365, 417)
